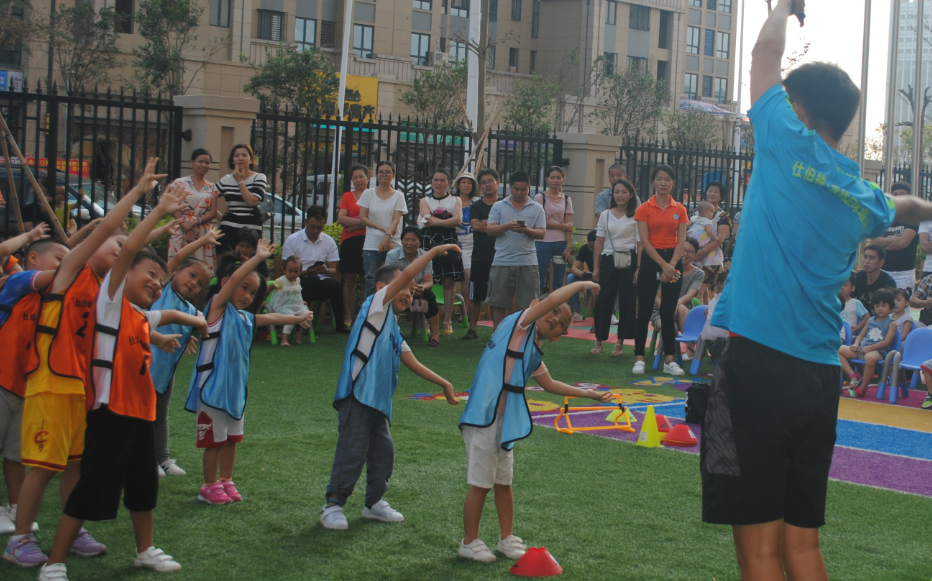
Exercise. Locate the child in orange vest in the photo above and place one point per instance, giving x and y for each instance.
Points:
(56, 366)
(119, 458)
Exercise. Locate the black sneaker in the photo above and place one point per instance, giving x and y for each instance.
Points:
(927, 404)
(470, 334)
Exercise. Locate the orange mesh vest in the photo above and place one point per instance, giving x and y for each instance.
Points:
(132, 392)
(69, 351)
(16, 338)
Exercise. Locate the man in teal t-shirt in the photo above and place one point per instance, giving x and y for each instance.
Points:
(769, 429)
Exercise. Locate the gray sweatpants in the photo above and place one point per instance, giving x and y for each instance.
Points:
(162, 401)
(364, 439)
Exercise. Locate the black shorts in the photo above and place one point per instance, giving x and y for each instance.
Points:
(768, 438)
(479, 279)
(119, 459)
(351, 255)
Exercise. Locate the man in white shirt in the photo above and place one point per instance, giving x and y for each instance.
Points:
(319, 258)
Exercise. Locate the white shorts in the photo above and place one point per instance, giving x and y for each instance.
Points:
(216, 427)
(488, 463)
(11, 426)
(466, 247)
(905, 279)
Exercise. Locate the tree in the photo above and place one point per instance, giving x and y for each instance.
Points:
(170, 29)
(433, 95)
(630, 101)
(85, 44)
(299, 79)
(17, 25)
(692, 129)
(530, 105)
(567, 106)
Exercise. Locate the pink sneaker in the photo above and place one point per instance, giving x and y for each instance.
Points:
(231, 491)
(213, 494)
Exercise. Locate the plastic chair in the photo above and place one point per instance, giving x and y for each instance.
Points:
(846, 326)
(897, 345)
(695, 321)
(917, 349)
(457, 302)
(266, 308)
(419, 325)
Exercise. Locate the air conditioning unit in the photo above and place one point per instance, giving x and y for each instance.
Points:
(441, 58)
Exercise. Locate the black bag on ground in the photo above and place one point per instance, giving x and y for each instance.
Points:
(697, 398)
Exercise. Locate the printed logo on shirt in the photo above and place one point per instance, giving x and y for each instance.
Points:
(676, 216)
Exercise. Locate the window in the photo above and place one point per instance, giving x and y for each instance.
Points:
(490, 58)
(124, 10)
(696, 3)
(272, 25)
(721, 89)
(709, 43)
(611, 13)
(362, 41)
(640, 17)
(516, 10)
(493, 10)
(710, 4)
(328, 33)
(706, 86)
(611, 59)
(637, 63)
(457, 51)
(662, 67)
(513, 60)
(724, 6)
(692, 40)
(691, 85)
(535, 18)
(422, 4)
(533, 60)
(220, 13)
(459, 8)
(664, 37)
(420, 48)
(305, 33)
(721, 46)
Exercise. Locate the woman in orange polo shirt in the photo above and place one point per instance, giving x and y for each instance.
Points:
(662, 223)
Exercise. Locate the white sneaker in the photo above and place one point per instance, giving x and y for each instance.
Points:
(157, 560)
(11, 512)
(55, 572)
(381, 511)
(512, 547)
(333, 518)
(638, 368)
(169, 467)
(614, 320)
(476, 551)
(7, 522)
(672, 368)
(577, 318)
(687, 357)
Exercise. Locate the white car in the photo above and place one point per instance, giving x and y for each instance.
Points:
(287, 215)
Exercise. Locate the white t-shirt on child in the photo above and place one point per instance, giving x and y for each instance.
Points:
(854, 310)
(376, 318)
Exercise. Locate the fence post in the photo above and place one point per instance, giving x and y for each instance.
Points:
(216, 123)
(589, 156)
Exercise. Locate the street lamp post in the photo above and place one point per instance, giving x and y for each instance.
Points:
(890, 121)
(918, 99)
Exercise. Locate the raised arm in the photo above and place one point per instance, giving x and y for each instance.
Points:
(72, 264)
(173, 317)
(189, 249)
(219, 302)
(911, 210)
(169, 228)
(83, 233)
(557, 298)
(11, 245)
(767, 56)
(419, 264)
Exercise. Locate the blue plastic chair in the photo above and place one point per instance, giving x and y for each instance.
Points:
(917, 349)
(847, 328)
(695, 321)
(896, 346)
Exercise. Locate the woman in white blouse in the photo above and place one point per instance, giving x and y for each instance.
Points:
(380, 211)
(617, 246)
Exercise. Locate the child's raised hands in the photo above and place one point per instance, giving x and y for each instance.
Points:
(587, 284)
(265, 249)
(172, 201)
(149, 177)
(446, 248)
(40, 232)
(213, 236)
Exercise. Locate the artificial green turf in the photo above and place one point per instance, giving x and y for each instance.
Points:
(605, 509)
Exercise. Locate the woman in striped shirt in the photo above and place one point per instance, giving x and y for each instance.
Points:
(243, 190)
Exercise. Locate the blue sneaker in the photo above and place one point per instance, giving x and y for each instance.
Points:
(24, 552)
(86, 546)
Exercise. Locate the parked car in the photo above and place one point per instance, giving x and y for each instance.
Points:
(287, 215)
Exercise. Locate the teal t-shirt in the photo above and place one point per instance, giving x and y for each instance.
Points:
(805, 211)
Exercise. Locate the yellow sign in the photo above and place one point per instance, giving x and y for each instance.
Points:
(361, 97)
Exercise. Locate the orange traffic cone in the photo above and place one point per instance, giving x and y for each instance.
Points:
(537, 562)
(681, 436)
(663, 424)
(649, 436)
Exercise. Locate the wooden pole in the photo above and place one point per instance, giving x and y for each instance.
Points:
(12, 184)
(56, 226)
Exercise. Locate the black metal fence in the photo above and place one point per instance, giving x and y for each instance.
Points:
(296, 152)
(904, 173)
(96, 143)
(694, 170)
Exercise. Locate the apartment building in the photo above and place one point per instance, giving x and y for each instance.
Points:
(689, 43)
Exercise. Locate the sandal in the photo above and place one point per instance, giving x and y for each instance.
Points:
(597, 350)
(617, 351)
(434, 342)
(448, 328)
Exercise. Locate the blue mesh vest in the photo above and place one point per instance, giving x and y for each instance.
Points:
(375, 385)
(164, 364)
(225, 386)
(490, 381)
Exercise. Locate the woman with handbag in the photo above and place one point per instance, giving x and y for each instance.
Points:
(243, 190)
(617, 246)
(424, 299)
(440, 214)
(662, 223)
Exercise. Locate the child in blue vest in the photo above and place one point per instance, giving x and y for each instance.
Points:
(364, 394)
(218, 386)
(496, 414)
(188, 277)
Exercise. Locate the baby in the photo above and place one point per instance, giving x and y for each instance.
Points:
(703, 228)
